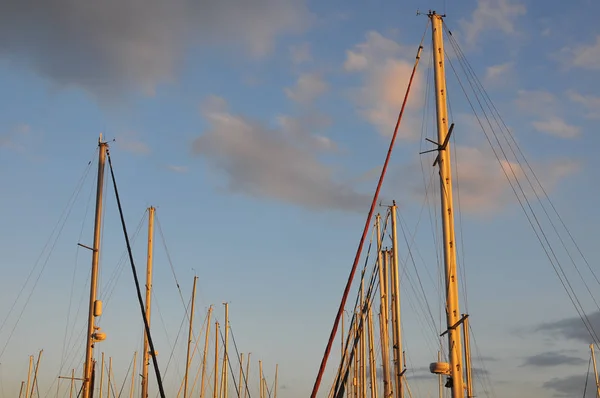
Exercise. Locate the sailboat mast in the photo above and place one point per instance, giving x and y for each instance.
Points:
(205, 352)
(187, 358)
(224, 378)
(29, 375)
(468, 375)
(595, 370)
(452, 303)
(146, 352)
(396, 306)
(383, 313)
(94, 306)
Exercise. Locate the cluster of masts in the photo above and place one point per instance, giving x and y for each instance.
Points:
(220, 382)
(357, 373)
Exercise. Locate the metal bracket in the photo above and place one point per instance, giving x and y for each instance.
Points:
(86, 247)
(440, 147)
(457, 324)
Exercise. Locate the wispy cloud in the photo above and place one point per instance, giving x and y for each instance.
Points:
(484, 189)
(590, 103)
(300, 53)
(584, 56)
(108, 47)
(569, 386)
(545, 107)
(269, 163)
(490, 15)
(130, 141)
(309, 87)
(499, 74)
(547, 359)
(177, 169)
(385, 67)
(571, 328)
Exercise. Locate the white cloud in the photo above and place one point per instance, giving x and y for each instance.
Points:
(300, 53)
(270, 163)
(545, 107)
(557, 127)
(177, 169)
(582, 56)
(385, 67)
(130, 141)
(308, 88)
(491, 15)
(590, 103)
(482, 183)
(499, 74)
(107, 47)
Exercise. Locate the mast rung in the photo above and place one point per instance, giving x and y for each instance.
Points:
(457, 324)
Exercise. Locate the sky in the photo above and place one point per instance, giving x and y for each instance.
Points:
(258, 129)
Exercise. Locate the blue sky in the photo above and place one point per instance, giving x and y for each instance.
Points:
(257, 129)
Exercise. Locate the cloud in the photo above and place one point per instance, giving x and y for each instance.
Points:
(308, 88)
(499, 74)
(270, 163)
(129, 141)
(385, 67)
(571, 386)
(482, 184)
(582, 56)
(489, 15)
(108, 47)
(557, 127)
(571, 328)
(300, 54)
(177, 169)
(546, 108)
(547, 359)
(590, 103)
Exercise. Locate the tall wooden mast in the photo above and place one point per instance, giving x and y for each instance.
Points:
(146, 352)
(95, 306)
(443, 160)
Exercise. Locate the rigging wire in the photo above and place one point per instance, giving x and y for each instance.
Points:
(364, 234)
(512, 143)
(526, 204)
(58, 229)
(587, 376)
(137, 283)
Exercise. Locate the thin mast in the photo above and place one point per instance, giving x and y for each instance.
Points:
(447, 211)
(205, 352)
(101, 375)
(109, 377)
(383, 312)
(276, 370)
(29, 375)
(133, 375)
(395, 265)
(372, 368)
(216, 375)
(363, 345)
(21, 390)
(146, 352)
(187, 361)
(262, 394)
(72, 383)
(94, 306)
(35, 373)
(241, 371)
(595, 370)
(466, 336)
(247, 375)
(225, 354)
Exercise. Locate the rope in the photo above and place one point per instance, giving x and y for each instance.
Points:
(137, 282)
